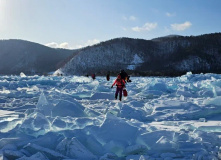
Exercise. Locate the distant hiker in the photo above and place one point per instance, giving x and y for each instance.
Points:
(93, 76)
(120, 83)
(128, 79)
(59, 74)
(108, 76)
(124, 75)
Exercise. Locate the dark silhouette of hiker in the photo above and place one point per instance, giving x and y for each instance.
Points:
(108, 76)
(125, 76)
(128, 79)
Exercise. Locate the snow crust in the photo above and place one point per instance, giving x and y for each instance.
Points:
(72, 117)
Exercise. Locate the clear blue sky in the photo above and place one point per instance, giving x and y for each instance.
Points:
(75, 23)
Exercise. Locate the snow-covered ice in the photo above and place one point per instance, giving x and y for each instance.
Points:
(73, 117)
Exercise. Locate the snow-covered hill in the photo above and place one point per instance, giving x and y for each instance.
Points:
(170, 55)
(77, 118)
(107, 56)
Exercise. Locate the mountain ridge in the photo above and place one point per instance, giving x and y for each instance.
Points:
(30, 57)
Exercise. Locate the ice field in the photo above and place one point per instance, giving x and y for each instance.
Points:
(76, 118)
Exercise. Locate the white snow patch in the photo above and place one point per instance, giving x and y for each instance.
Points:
(136, 61)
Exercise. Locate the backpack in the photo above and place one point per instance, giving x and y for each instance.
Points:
(119, 82)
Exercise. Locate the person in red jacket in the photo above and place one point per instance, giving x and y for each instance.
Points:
(120, 83)
(93, 76)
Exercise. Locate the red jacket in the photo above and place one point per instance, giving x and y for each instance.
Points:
(119, 83)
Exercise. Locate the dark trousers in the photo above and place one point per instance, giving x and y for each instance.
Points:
(119, 90)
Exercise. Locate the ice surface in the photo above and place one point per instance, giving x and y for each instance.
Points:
(73, 109)
(74, 149)
(75, 117)
(214, 101)
(37, 156)
(51, 154)
(135, 149)
(43, 105)
(22, 74)
(120, 130)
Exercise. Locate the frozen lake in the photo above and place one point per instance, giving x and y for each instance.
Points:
(77, 118)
